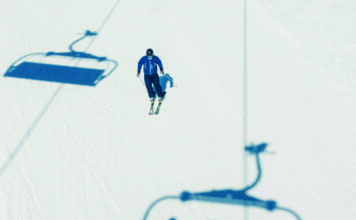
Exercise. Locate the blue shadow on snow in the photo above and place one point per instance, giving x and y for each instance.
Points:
(32, 66)
(231, 196)
(163, 81)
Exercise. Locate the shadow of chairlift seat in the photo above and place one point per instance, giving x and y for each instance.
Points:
(235, 197)
(71, 67)
(230, 196)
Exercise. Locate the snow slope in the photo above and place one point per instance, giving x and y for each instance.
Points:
(76, 152)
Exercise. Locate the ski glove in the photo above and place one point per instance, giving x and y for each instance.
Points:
(162, 72)
(138, 73)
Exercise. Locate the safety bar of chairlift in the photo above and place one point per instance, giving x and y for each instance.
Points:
(108, 73)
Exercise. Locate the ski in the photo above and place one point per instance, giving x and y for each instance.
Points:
(159, 106)
(152, 106)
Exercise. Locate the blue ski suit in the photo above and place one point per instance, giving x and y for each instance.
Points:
(151, 76)
(149, 66)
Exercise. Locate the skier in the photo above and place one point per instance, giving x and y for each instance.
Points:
(150, 62)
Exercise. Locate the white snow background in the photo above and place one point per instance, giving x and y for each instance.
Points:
(94, 153)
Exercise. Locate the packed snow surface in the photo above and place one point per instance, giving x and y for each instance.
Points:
(70, 152)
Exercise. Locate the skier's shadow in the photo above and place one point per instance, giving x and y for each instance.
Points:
(164, 80)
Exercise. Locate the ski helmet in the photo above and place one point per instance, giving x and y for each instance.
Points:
(149, 52)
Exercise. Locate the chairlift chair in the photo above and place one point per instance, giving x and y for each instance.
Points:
(72, 67)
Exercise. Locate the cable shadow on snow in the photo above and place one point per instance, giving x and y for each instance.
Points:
(29, 131)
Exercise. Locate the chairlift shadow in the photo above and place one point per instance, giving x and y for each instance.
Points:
(73, 67)
(231, 196)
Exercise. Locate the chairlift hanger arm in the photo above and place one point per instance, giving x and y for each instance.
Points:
(77, 54)
(87, 34)
(256, 150)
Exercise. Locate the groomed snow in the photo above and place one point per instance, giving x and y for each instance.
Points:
(72, 152)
